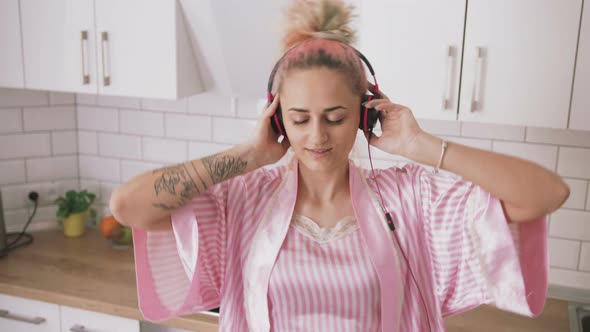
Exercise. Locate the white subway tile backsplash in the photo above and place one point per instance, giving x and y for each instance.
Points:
(232, 131)
(164, 150)
(192, 127)
(585, 257)
(12, 172)
(22, 98)
(64, 142)
(119, 146)
(574, 162)
(142, 123)
(483, 144)
(11, 120)
(130, 168)
(99, 168)
(198, 150)
(13, 197)
(106, 190)
(569, 278)
(558, 136)
(564, 253)
(435, 127)
(49, 118)
(97, 118)
(61, 98)
(570, 224)
(92, 186)
(47, 169)
(86, 99)
(117, 101)
(45, 213)
(25, 145)
(15, 219)
(577, 199)
(250, 108)
(211, 103)
(88, 142)
(492, 131)
(543, 155)
(178, 106)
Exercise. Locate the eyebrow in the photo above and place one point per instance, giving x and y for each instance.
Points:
(326, 110)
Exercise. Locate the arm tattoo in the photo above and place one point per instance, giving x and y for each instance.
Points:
(172, 176)
(223, 167)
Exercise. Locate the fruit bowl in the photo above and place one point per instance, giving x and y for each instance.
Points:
(119, 235)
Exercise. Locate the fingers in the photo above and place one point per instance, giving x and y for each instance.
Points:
(381, 93)
(271, 108)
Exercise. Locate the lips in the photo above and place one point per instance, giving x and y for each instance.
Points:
(319, 153)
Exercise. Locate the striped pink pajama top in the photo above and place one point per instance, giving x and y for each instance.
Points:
(241, 248)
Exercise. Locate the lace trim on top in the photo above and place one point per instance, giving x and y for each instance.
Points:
(310, 228)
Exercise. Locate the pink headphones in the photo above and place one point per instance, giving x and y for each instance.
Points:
(369, 116)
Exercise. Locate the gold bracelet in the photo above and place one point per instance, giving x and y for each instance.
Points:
(442, 153)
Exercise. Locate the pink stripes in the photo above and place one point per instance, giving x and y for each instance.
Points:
(324, 286)
(454, 234)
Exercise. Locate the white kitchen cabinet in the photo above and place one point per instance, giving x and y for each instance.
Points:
(11, 60)
(58, 44)
(24, 315)
(126, 48)
(78, 320)
(518, 61)
(517, 65)
(580, 112)
(415, 49)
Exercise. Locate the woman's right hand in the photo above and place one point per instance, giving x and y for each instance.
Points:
(267, 149)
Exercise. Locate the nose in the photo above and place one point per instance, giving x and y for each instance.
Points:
(319, 133)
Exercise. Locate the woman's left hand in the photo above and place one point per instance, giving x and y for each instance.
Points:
(398, 126)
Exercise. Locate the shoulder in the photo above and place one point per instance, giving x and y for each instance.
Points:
(395, 173)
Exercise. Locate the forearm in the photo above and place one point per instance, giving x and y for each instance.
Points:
(515, 181)
(153, 195)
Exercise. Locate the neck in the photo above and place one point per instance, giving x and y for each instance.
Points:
(325, 186)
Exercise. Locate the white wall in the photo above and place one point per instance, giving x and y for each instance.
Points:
(118, 138)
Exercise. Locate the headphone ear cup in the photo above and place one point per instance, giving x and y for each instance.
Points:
(277, 117)
(370, 115)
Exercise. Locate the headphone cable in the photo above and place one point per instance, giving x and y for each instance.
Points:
(392, 226)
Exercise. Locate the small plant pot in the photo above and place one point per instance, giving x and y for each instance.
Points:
(75, 225)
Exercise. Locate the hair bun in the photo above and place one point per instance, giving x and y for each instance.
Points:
(327, 19)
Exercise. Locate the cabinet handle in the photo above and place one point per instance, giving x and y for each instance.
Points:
(476, 101)
(84, 46)
(106, 77)
(8, 315)
(448, 78)
(79, 328)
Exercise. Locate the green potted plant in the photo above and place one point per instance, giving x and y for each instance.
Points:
(72, 210)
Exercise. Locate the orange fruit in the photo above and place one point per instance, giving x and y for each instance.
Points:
(109, 224)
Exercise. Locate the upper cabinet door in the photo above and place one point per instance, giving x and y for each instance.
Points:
(11, 58)
(58, 44)
(144, 50)
(519, 61)
(415, 48)
(580, 116)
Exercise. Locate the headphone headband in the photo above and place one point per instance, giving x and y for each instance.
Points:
(270, 96)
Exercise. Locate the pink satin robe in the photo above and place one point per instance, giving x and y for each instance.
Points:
(462, 251)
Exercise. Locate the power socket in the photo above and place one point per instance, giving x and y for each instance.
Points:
(48, 193)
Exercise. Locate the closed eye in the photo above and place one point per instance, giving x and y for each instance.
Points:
(328, 121)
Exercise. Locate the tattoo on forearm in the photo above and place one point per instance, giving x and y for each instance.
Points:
(199, 175)
(170, 177)
(223, 167)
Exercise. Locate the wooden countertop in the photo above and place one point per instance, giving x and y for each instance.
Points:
(86, 273)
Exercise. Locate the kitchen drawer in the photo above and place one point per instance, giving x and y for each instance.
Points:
(78, 320)
(24, 315)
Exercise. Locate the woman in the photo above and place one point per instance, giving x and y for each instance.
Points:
(305, 246)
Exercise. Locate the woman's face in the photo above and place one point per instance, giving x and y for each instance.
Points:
(321, 116)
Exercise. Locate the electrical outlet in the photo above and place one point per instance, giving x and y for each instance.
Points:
(48, 192)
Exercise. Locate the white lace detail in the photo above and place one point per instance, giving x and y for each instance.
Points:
(310, 228)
